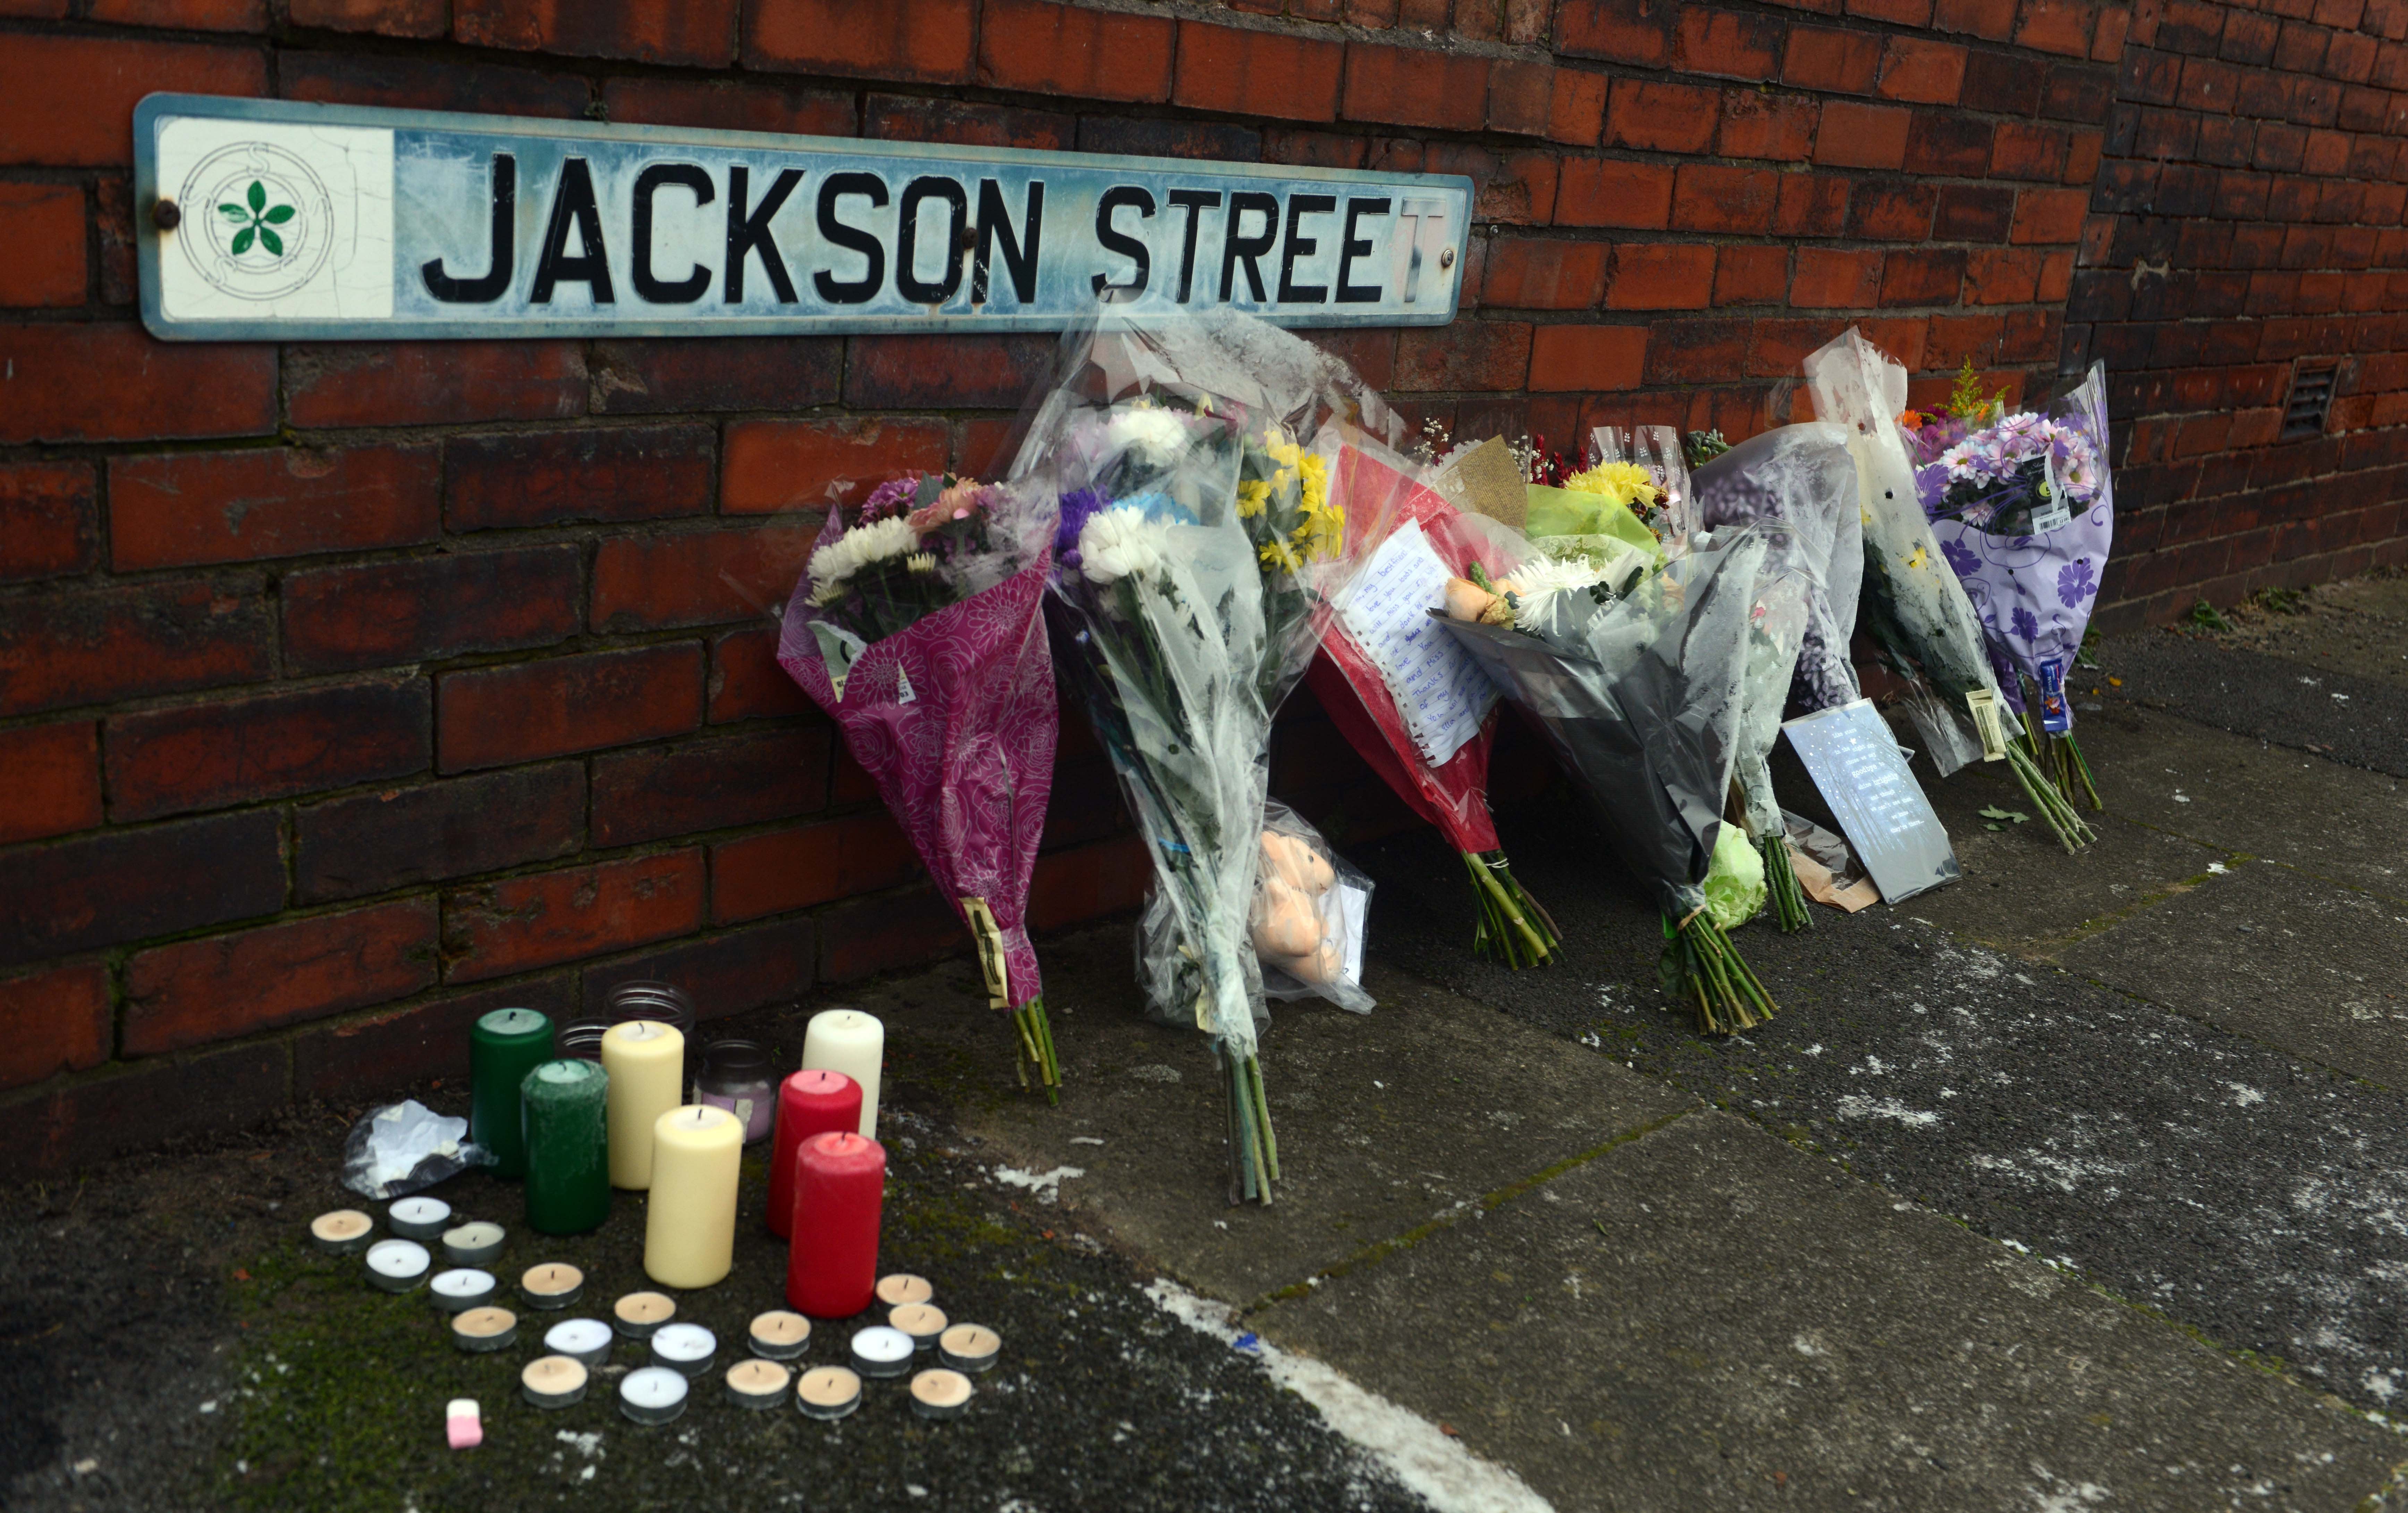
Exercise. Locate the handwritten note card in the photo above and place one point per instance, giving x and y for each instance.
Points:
(1854, 760)
(1441, 692)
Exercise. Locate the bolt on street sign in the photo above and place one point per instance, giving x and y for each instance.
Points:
(281, 220)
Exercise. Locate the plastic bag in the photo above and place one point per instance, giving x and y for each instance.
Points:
(1805, 477)
(1311, 907)
(406, 1147)
(1658, 450)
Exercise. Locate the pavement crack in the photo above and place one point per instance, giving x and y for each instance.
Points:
(2047, 948)
(1373, 1254)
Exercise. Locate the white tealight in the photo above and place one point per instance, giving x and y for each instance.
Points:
(461, 1288)
(882, 1351)
(686, 1348)
(397, 1265)
(472, 1245)
(652, 1395)
(586, 1341)
(419, 1219)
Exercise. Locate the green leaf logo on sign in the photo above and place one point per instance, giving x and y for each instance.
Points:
(258, 220)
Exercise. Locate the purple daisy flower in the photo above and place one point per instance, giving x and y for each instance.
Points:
(2076, 583)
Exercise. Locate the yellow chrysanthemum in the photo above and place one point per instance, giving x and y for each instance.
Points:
(1316, 485)
(1277, 554)
(1624, 482)
(1254, 496)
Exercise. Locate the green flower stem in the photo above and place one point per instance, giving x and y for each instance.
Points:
(1780, 881)
(1036, 1047)
(2068, 826)
(1703, 967)
(1518, 936)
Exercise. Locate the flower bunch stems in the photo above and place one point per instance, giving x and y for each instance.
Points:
(2054, 807)
(1254, 1149)
(1510, 925)
(1708, 970)
(1781, 882)
(1033, 1045)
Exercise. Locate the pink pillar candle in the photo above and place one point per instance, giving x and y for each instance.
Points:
(809, 1104)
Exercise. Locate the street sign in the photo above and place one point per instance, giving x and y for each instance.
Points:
(280, 220)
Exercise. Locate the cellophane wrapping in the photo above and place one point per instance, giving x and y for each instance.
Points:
(1197, 549)
(2034, 591)
(1914, 606)
(1641, 699)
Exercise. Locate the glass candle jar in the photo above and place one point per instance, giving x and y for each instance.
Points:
(580, 1040)
(736, 1075)
(645, 999)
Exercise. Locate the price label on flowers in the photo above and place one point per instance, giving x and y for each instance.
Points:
(280, 220)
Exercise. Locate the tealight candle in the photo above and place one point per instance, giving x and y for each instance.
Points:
(398, 1265)
(690, 1221)
(922, 1321)
(941, 1395)
(779, 1336)
(472, 1245)
(552, 1285)
(419, 1219)
(652, 1395)
(882, 1350)
(553, 1381)
(566, 1106)
(585, 1341)
(638, 1315)
(758, 1384)
(454, 1291)
(479, 1330)
(897, 1288)
(687, 1348)
(827, 1393)
(855, 1043)
(343, 1232)
(809, 1104)
(646, 1063)
(831, 1264)
(503, 1047)
(970, 1347)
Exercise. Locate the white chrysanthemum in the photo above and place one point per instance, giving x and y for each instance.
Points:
(1152, 435)
(1117, 542)
(1533, 582)
(832, 563)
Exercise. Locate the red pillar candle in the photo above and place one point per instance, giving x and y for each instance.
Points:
(832, 1266)
(809, 1104)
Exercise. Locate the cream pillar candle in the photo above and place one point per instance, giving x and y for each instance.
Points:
(646, 1061)
(855, 1043)
(690, 1221)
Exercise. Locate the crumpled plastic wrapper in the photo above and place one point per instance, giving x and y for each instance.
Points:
(1735, 888)
(406, 1147)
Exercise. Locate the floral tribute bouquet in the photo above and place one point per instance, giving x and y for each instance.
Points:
(916, 628)
(1412, 701)
(1634, 674)
(2023, 510)
(1798, 484)
(1915, 607)
(1197, 547)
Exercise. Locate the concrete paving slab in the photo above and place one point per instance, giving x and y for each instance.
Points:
(2270, 953)
(2359, 720)
(1708, 1318)
(2360, 627)
(1385, 1121)
(2231, 1183)
(2240, 794)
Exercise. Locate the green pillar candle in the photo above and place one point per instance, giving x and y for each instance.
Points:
(567, 1148)
(503, 1047)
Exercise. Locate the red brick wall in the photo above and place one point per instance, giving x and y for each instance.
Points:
(348, 690)
(2246, 226)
